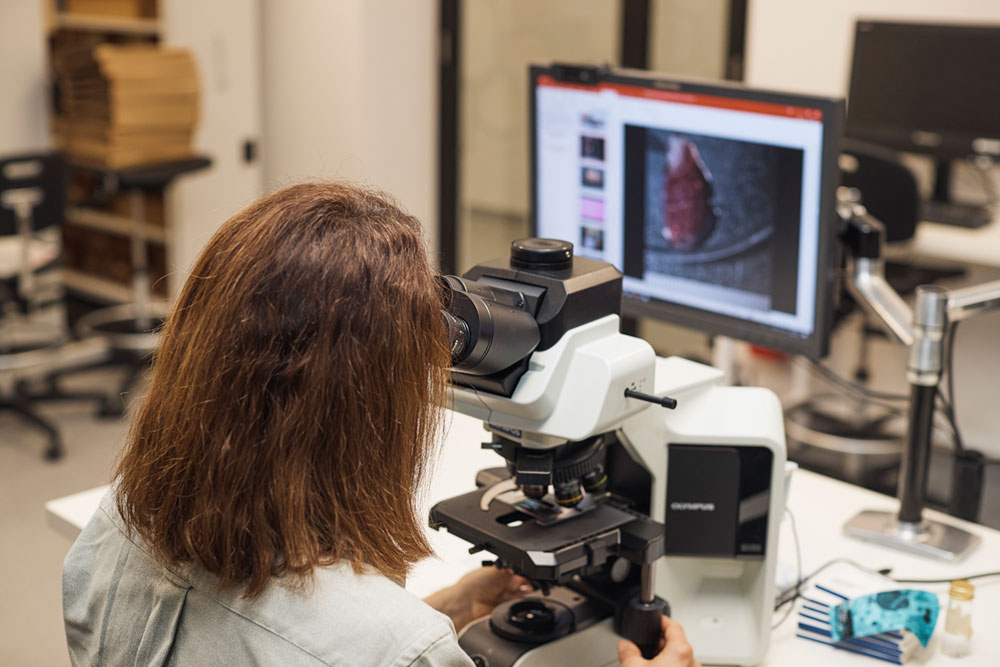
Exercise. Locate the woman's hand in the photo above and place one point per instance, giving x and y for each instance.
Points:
(674, 649)
(477, 593)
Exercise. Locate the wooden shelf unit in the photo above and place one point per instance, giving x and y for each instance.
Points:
(104, 227)
(92, 218)
(102, 288)
(107, 24)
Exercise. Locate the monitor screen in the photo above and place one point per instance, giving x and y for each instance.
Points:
(715, 202)
(927, 88)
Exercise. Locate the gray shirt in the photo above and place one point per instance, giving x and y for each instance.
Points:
(122, 607)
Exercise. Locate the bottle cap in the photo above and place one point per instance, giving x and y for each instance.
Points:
(961, 589)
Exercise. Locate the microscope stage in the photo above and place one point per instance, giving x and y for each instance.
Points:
(549, 553)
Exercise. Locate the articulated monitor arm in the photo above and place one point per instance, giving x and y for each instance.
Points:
(864, 238)
(922, 330)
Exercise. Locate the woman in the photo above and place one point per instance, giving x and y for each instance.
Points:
(265, 505)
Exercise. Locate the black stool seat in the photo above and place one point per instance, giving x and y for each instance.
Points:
(149, 176)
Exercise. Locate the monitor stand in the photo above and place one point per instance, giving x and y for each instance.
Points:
(940, 208)
(934, 539)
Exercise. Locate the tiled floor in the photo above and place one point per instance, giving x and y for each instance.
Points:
(31, 553)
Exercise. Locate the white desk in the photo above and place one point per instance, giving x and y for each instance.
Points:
(957, 244)
(69, 514)
(821, 506)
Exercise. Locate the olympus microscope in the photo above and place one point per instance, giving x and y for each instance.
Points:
(633, 486)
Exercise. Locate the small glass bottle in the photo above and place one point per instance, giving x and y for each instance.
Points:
(957, 638)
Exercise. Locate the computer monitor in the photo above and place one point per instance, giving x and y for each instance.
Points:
(927, 88)
(715, 201)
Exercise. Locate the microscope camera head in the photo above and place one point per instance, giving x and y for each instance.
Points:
(536, 349)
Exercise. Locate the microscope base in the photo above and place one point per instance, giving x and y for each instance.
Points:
(928, 538)
(594, 646)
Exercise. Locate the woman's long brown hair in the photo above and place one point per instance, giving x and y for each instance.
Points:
(293, 400)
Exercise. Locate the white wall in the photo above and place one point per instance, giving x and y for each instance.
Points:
(500, 39)
(224, 36)
(350, 91)
(24, 110)
(806, 45)
(689, 38)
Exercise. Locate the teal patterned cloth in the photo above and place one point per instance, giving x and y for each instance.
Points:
(912, 610)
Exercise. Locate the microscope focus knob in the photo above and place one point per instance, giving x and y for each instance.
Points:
(541, 254)
(640, 623)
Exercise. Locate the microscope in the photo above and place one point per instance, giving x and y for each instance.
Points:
(632, 486)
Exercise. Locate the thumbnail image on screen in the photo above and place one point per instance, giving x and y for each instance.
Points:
(716, 211)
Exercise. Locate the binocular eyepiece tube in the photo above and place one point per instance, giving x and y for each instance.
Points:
(489, 329)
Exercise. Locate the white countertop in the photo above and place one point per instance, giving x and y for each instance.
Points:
(957, 244)
(820, 505)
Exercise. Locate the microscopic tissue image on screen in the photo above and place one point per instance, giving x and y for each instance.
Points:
(713, 210)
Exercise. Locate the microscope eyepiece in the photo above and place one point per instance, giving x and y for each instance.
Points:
(488, 328)
(458, 336)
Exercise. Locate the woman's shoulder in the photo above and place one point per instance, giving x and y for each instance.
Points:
(337, 617)
(344, 617)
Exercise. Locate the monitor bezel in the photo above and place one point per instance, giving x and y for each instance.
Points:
(817, 344)
(954, 144)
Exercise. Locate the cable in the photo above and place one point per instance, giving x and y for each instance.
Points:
(981, 575)
(804, 580)
(853, 386)
(860, 391)
(796, 590)
(949, 414)
(850, 388)
(949, 356)
(798, 570)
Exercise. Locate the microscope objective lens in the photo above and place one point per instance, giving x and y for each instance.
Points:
(535, 492)
(596, 480)
(568, 494)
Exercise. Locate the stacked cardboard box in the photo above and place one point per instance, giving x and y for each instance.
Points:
(127, 105)
(132, 9)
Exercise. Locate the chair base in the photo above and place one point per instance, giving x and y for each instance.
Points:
(110, 405)
(22, 403)
(23, 409)
(835, 435)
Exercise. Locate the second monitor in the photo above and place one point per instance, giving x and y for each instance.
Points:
(715, 201)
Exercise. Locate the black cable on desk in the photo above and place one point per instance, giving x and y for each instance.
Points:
(795, 590)
(884, 572)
